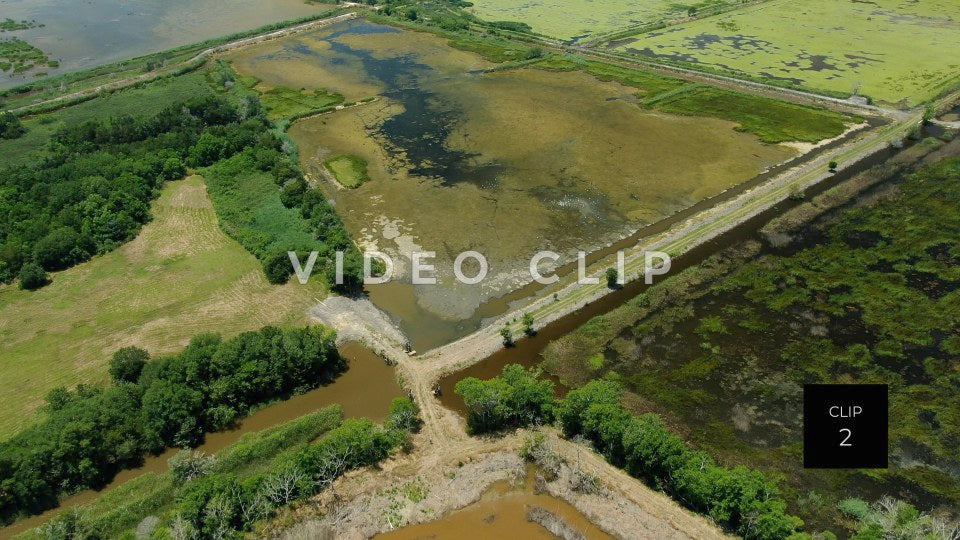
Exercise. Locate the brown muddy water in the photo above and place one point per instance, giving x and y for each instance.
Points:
(501, 513)
(364, 390)
(506, 163)
(87, 34)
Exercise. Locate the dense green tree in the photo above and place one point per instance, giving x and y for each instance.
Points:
(127, 363)
(569, 410)
(517, 397)
(171, 415)
(62, 248)
(404, 415)
(613, 278)
(278, 267)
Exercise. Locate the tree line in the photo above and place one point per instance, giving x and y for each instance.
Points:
(91, 191)
(216, 502)
(91, 433)
(742, 500)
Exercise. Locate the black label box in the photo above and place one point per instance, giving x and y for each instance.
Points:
(845, 426)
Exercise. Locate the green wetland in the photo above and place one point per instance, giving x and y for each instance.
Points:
(506, 162)
(867, 294)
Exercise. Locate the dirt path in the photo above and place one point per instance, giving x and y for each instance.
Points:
(443, 445)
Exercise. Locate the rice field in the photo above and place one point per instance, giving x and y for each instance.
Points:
(893, 51)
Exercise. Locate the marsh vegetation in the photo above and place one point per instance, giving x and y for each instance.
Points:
(866, 294)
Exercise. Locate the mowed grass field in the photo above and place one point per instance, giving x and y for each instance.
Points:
(181, 276)
(570, 20)
(895, 51)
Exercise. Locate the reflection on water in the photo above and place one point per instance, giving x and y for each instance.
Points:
(95, 32)
(364, 390)
(502, 513)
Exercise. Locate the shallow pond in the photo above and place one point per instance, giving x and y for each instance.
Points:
(506, 163)
(82, 35)
(502, 513)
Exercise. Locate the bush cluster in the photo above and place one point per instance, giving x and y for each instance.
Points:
(518, 397)
(10, 126)
(92, 191)
(742, 500)
(224, 505)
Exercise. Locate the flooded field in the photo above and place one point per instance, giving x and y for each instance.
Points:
(890, 50)
(502, 512)
(98, 32)
(505, 163)
(365, 390)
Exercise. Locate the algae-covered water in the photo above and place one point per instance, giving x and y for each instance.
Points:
(506, 163)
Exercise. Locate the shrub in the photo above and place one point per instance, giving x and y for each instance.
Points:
(186, 465)
(32, 277)
(528, 321)
(10, 126)
(507, 335)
